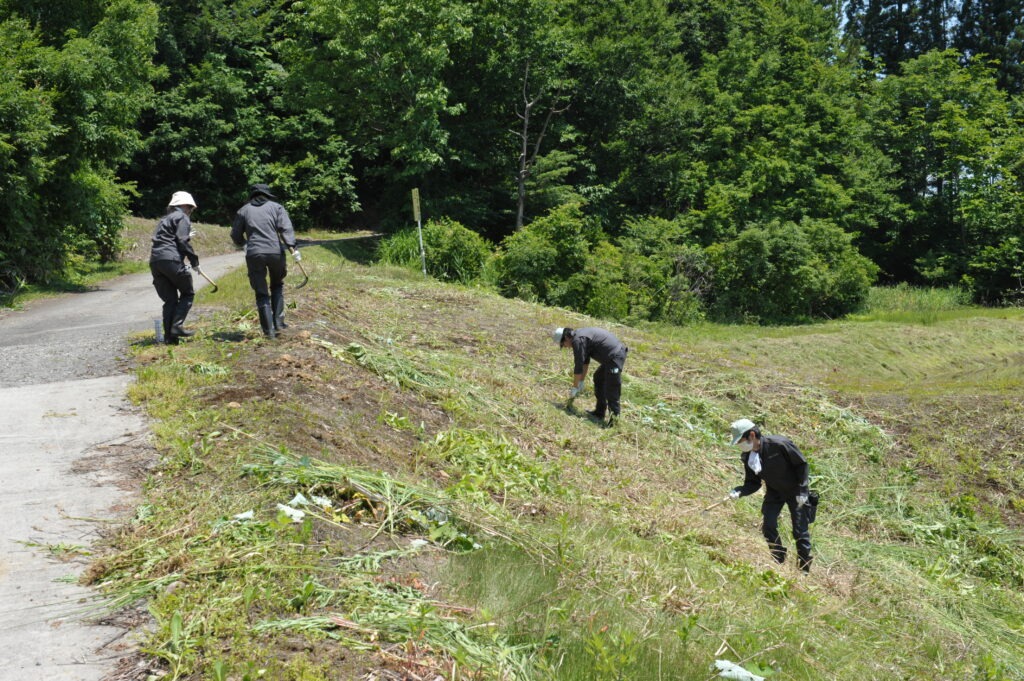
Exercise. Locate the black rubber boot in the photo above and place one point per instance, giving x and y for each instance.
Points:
(181, 332)
(277, 303)
(266, 320)
(169, 337)
(180, 312)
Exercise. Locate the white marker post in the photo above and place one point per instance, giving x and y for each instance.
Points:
(419, 227)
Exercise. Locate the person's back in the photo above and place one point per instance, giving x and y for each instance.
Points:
(171, 237)
(266, 227)
(262, 225)
(597, 344)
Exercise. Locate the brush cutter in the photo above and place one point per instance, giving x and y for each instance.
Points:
(212, 282)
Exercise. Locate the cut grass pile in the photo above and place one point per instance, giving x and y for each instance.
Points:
(395, 487)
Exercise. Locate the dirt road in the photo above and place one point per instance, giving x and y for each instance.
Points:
(66, 437)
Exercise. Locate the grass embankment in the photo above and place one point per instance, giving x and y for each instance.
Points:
(403, 410)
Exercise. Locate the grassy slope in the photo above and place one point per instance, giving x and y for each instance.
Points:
(597, 562)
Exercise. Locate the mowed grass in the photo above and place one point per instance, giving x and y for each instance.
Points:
(557, 549)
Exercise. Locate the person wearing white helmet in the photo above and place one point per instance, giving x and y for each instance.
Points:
(609, 352)
(776, 461)
(262, 225)
(171, 260)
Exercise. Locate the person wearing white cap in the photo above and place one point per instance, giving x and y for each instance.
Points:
(776, 461)
(601, 345)
(171, 260)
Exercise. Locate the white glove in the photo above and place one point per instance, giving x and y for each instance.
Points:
(188, 268)
(734, 494)
(296, 255)
(191, 233)
(573, 392)
(801, 500)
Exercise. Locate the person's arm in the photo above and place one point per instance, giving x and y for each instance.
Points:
(751, 483)
(581, 362)
(182, 234)
(238, 229)
(285, 229)
(801, 469)
(577, 379)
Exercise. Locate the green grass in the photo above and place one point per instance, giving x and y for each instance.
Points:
(557, 549)
(916, 305)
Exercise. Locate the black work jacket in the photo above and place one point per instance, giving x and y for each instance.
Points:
(784, 469)
(262, 225)
(593, 343)
(171, 240)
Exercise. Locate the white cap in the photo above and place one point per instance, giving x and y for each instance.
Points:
(557, 334)
(739, 428)
(182, 199)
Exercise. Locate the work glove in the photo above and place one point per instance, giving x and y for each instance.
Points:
(801, 500)
(188, 268)
(296, 256)
(573, 392)
(191, 233)
(734, 494)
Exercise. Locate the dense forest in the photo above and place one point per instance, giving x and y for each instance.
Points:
(635, 159)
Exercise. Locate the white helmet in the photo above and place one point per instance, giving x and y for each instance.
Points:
(740, 428)
(557, 334)
(182, 199)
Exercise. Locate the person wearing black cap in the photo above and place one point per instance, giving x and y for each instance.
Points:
(171, 260)
(777, 462)
(262, 225)
(601, 345)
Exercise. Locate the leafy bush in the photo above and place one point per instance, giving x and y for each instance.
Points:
(453, 252)
(996, 273)
(536, 262)
(668, 275)
(787, 272)
(561, 259)
(599, 289)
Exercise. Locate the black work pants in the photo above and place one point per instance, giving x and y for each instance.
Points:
(608, 384)
(174, 286)
(771, 507)
(260, 266)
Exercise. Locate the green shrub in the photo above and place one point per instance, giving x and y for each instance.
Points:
(598, 289)
(536, 262)
(453, 252)
(996, 273)
(787, 272)
(667, 273)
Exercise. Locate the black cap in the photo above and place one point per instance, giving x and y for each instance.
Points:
(261, 189)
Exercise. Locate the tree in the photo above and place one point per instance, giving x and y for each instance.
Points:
(542, 58)
(770, 127)
(995, 29)
(953, 135)
(83, 73)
